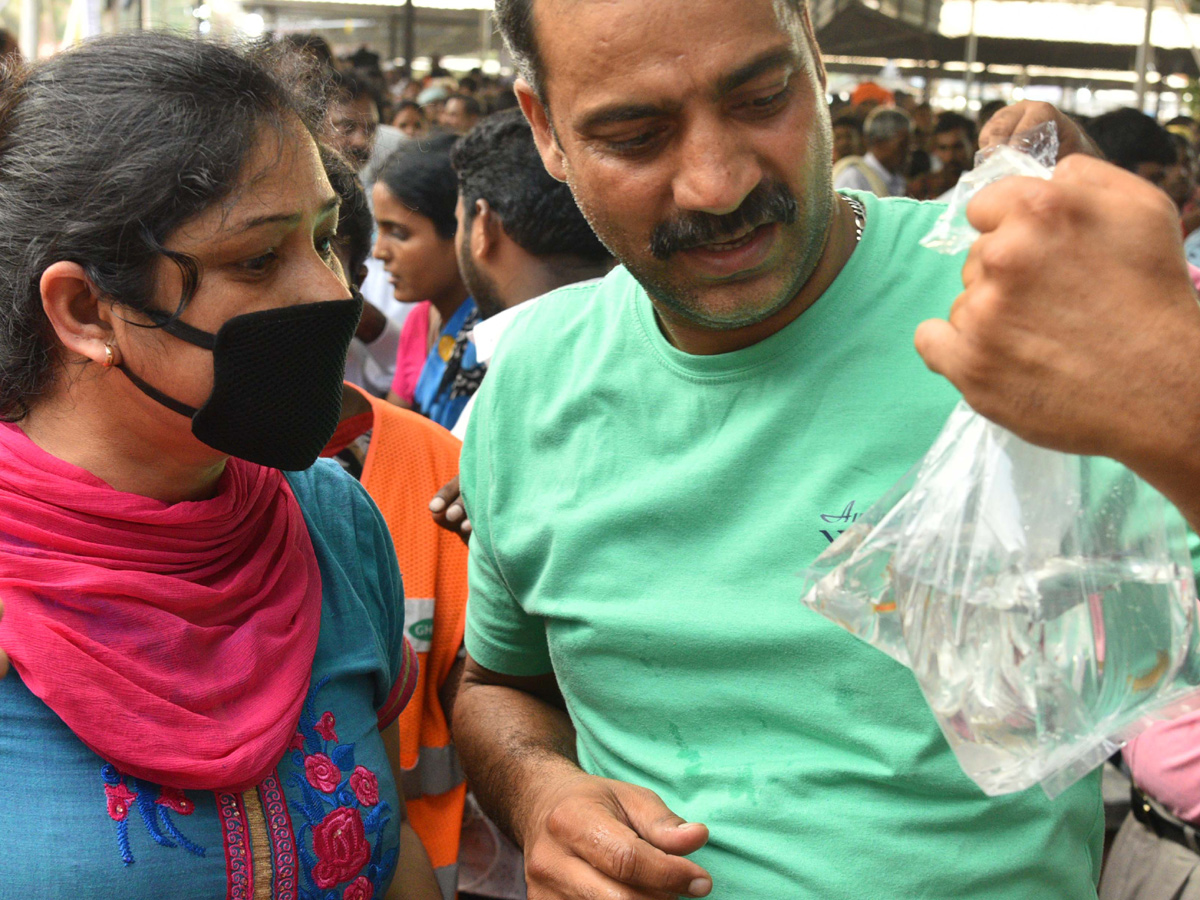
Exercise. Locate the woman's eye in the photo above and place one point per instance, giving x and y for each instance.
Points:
(261, 263)
(325, 246)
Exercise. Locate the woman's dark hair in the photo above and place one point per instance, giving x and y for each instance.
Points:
(107, 149)
(420, 176)
(355, 226)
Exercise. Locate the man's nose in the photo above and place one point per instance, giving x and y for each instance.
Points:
(717, 168)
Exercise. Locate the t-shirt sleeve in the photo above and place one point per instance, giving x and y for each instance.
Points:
(500, 634)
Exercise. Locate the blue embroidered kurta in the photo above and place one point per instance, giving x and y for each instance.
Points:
(323, 825)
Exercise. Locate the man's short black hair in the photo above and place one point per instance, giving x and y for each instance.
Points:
(515, 19)
(498, 161)
(952, 121)
(1128, 137)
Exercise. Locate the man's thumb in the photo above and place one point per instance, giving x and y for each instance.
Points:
(657, 825)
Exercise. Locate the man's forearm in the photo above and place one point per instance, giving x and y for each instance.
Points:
(513, 746)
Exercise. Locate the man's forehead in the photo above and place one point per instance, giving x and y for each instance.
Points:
(605, 43)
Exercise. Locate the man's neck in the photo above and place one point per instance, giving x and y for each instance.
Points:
(699, 341)
(543, 275)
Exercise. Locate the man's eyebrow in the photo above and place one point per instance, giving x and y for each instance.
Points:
(328, 206)
(769, 61)
(619, 114)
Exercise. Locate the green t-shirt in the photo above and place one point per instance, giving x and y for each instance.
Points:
(640, 518)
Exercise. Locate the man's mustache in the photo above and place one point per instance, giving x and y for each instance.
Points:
(771, 201)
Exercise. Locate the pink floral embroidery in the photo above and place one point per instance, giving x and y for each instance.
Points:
(322, 773)
(297, 742)
(325, 727)
(341, 847)
(119, 798)
(365, 786)
(175, 800)
(359, 889)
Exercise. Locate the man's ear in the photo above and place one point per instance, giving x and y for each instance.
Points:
(543, 133)
(80, 316)
(485, 232)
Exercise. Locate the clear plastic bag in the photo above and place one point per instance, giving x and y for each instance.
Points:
(1031, 153)
(1045, 602)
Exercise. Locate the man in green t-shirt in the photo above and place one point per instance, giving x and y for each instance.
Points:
(647, 707)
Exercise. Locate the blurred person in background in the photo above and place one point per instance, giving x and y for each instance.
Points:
(954, 145)
(986, 112)
(352, 129)
(432, 101)
(352, 115)
(1180, 185)
(847, 136)
(1135, 142)
(867, 96)
(414, 202)
(409, 120)
(954, 150)
(882, 171)
(461, 113)
(10, 49)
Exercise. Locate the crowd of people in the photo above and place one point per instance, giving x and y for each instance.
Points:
(403, 481)
(891, 145)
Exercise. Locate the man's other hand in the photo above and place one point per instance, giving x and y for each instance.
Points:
(448, 510)
(593, 837)
(1078, 327)
(1021, 117)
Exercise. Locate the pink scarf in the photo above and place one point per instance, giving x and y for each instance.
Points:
(175, 640)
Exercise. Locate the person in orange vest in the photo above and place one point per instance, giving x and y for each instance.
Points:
(401, 458)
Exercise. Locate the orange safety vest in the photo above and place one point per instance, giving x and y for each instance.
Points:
(408, 460)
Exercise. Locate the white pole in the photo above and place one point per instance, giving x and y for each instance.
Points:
(972, 55)
(31, 14)
(1143, 58)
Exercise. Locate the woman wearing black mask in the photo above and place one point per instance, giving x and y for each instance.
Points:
(208, 653)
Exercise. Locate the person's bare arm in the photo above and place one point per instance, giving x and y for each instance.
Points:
(1078, 327)
(414, 878)
(583, 836)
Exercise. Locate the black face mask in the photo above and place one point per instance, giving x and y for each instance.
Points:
(277, 381)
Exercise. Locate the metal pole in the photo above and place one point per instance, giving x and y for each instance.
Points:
(485, 34)
(31, 14)
(1142, 62)
(410, 35)
(393, 36)
(972, 55)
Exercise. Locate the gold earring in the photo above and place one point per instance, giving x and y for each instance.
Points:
(109, 356)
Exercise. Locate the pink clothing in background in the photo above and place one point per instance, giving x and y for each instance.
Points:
(1165, 762)
(411, 354)
(1195, 273)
